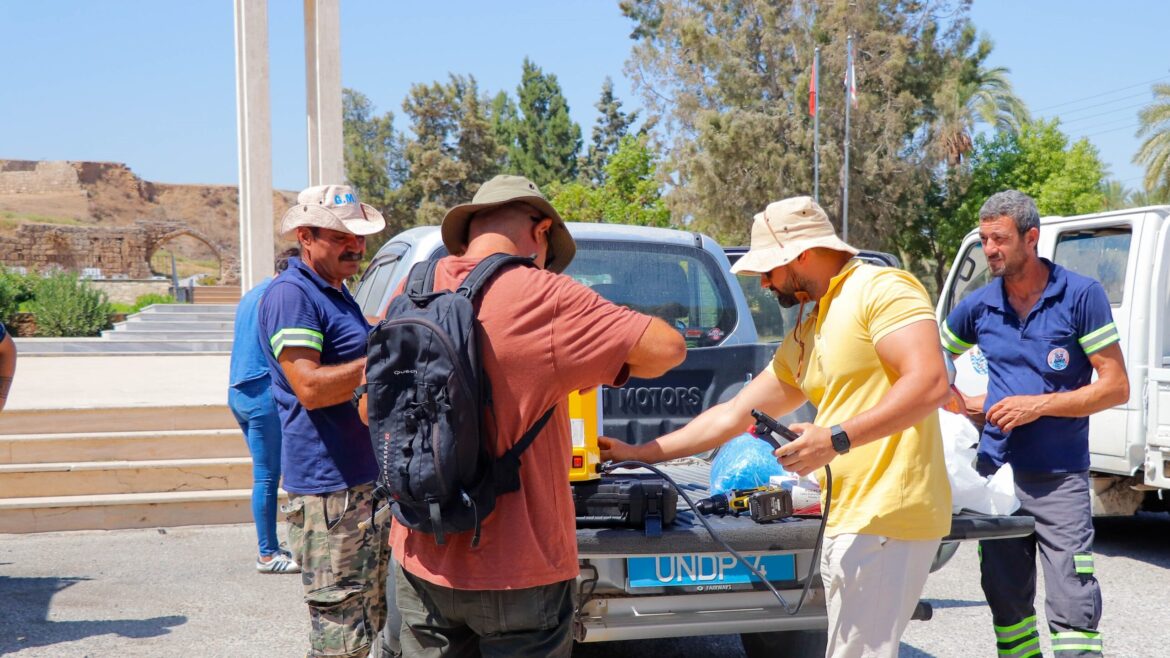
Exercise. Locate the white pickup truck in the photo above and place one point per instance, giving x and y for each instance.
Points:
(1128, 251)
(681, 583)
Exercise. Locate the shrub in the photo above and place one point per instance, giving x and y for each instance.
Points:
(67, 306)
(151, 298)
(16, 290)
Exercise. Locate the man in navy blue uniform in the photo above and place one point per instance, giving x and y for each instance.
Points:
(316, 335)
(1044, 330)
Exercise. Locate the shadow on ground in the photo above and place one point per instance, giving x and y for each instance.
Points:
(1140, 537)
(939, 604)
(24, 617)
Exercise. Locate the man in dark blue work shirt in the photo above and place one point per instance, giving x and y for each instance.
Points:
(1044, 330)
(317, 338)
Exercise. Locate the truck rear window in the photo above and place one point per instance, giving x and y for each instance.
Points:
(681, 285)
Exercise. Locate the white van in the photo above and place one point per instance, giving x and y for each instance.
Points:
(1128, 251)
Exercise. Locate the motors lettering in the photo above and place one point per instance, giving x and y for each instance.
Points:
(679, 400)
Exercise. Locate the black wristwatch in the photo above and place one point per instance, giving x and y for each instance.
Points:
(840, 439)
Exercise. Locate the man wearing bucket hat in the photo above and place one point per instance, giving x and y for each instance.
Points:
(863, 353)
(316, 335)
(542, 335)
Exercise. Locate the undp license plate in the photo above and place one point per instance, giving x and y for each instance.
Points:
(706, 571)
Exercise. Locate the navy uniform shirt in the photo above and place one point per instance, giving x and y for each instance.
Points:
(1046, 352)
(325, 449)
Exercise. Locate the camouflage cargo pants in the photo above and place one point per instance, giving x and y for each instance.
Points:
(342, 549)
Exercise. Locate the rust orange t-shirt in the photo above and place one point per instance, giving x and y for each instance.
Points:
(542, 336)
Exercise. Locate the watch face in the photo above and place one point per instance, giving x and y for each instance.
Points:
(840, 440)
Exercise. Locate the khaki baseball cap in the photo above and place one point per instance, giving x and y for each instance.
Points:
(502, 190)
(334, 207)
(785, 230)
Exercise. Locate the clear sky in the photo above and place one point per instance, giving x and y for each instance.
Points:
(152, 83)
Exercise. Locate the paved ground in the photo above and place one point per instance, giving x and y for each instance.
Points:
(193, 592)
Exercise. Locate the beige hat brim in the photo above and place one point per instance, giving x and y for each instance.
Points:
(458, 219)
(761, 261)
(322, 217)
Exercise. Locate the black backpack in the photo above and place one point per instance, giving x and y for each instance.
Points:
(428, 395)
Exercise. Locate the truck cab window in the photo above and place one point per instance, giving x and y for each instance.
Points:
(681, 285)
(1098, 253)
(972, 275)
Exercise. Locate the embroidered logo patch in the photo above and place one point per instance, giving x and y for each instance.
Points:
(978, 361)
(1058, 359)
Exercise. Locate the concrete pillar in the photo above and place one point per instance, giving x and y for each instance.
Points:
(254, 127)
(323, 91)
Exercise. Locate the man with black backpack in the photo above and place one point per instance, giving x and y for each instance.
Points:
(497, 581)
(316, 335)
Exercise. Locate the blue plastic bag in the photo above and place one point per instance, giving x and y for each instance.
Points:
(744, 462)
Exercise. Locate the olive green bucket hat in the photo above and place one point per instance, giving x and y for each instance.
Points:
(500, 191)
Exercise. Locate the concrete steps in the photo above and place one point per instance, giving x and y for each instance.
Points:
(216, 294)
(124, 477)
(156, 329)
(121, 446)
(106, 468)
(136, 510)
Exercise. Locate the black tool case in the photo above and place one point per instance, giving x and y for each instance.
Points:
(625, 500)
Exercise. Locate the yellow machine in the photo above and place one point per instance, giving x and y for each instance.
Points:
(585, 422)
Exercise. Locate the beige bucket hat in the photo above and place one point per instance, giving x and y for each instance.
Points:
(785, 230)
(504, 189)
(334, 207)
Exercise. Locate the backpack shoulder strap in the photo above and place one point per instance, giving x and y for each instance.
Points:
(486, 269)
(420, 281)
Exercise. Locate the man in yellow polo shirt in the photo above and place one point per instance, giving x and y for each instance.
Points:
(864, 353)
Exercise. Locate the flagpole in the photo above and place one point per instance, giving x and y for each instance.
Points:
(849, 82)
(817, 124)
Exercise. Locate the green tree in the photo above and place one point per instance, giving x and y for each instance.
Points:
(546, 138)
(452, 152)
(728, 81)
(1037, 159)
(1117, 195)
(374, 162)
(1154, 152)
(612, 125)
(504, 117)
(629, 195)
(971, 94)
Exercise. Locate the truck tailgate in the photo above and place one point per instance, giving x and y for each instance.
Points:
(687, 535)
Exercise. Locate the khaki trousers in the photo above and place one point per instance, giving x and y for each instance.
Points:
(872, 584)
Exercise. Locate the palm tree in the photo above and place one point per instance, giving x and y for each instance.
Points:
(1117, 195)
(970, 95)
(1154, 152)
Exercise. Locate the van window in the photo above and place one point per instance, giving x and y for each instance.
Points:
(378, 277)
(681, 285)
(972, 275)
(1098, 253)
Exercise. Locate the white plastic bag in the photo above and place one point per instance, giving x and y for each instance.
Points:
(969, 490)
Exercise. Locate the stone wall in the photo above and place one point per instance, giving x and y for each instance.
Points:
(123, 251)
(33, 177)
(128, 292)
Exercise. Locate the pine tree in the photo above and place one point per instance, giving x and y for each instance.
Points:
(612, 125)
(546, 138)
(454, 149)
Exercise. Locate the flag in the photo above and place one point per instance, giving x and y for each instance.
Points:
(812, 93)
(850, 75)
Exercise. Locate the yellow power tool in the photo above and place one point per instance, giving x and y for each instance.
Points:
(585, 423)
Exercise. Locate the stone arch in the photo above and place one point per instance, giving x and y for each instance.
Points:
(159, 234)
